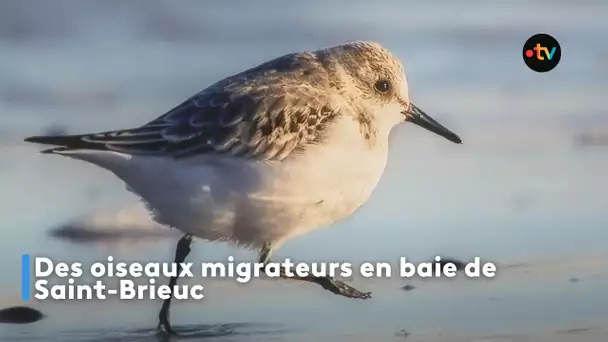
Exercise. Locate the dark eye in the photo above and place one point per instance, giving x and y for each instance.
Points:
(382, 86)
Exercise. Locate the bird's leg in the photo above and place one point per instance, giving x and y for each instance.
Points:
(182, 251)
(335, 286)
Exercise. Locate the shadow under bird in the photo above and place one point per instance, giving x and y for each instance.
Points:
(286, 147)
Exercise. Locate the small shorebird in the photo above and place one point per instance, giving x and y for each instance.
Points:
(284, 148)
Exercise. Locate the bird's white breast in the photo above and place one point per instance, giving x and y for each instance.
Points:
(329, 182)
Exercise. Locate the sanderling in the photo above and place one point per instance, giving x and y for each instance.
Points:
(289, 146)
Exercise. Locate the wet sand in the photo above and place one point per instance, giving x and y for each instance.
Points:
(525, 302)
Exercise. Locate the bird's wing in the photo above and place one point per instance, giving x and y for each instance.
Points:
(262, 121)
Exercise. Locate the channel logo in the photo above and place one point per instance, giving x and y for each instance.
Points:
(541, 52)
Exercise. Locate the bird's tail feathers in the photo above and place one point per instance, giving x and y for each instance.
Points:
(64, 143)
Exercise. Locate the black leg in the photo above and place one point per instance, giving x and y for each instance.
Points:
(182, 251)
(335, 286)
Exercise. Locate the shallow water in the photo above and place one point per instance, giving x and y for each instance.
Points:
(518, 192)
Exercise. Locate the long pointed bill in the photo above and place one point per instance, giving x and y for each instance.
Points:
(417, 116)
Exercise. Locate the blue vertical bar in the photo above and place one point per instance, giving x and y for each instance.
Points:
(25, 277)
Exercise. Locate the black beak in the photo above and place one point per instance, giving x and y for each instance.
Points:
(420, 118)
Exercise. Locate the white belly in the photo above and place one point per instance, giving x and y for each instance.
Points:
(254, 203)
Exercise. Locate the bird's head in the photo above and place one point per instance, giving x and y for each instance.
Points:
(378, 85)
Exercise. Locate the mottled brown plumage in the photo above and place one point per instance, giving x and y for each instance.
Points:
(267, 112)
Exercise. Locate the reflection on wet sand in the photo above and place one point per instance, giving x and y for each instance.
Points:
(130, 223)
(190, 332)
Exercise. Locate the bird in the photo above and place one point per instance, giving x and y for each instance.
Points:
(289, 146)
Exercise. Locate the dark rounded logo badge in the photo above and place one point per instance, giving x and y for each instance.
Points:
(542, 52)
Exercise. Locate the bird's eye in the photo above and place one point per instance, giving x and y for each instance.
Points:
(382, 86)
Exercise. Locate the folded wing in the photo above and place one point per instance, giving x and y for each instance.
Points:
(265, 122)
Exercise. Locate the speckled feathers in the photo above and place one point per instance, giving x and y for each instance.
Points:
(267, 112)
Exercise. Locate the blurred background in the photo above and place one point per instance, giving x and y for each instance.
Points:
(527, 189)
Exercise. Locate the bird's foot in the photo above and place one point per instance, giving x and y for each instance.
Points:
(341, 288)
(164, 327)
